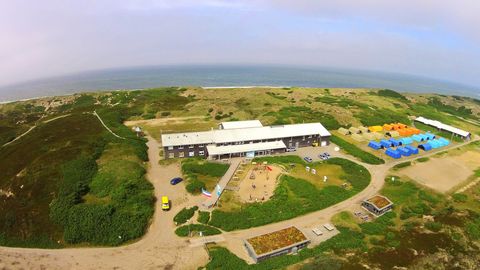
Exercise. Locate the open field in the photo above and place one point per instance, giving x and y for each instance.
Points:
(444, 173)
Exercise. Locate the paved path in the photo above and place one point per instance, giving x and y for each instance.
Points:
(234, 163)
(160, 248)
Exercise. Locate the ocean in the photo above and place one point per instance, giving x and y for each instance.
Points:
(229, 75)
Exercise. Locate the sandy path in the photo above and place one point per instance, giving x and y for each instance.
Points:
(160, 248)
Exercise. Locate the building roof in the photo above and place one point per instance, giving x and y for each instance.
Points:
(244, 134)
(241, 124)
(241, 148)
(277, 240)
(379, 201)
(443, 126)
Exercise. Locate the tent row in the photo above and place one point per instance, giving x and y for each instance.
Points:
(353, 130)
(401, 151)
(423, 137)
(367, 136)
(434, 144)
(397, 126)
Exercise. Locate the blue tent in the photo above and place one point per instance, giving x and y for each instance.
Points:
(429, 136)
(413, 150)
(425, 146)
(404, 151)
(435, 144)
(393, 153)
(385, 143)
(444, 141)
(406, 140)
(375, 145)
(417, 138)
(394, 142)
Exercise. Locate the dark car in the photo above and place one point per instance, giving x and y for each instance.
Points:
(308, 159)
(176, 180)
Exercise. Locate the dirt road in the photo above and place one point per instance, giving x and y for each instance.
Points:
(160, 248)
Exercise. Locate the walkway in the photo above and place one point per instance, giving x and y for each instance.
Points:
(101, 121)
(210, 202)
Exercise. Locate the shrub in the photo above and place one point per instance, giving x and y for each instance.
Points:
(205, 229)
(165, 114)
(402, 165)
(433, 226)
(184, 215)
(460, 197)
(356, 152)
(392, 94)
(423, 159)
(203, 217)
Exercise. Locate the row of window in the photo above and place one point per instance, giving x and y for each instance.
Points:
(190, 154)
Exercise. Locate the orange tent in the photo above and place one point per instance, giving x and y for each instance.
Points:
(387, 127)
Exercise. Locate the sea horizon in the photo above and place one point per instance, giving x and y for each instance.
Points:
(228, 76)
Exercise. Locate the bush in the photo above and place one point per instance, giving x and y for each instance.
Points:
(195, 186)
(460, 197)
(164, 114)
(433, 226)
(184, 215)
(206, 230)
(392, 94)
(402, 165)
(356, 152)
(423, 159)
(203, 217)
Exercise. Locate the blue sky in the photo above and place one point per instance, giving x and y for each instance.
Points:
(438, 39)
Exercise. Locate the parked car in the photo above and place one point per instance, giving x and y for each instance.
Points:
(165, 203)
(308, 159)
(176, 180)
(324, 156)
(291, 149)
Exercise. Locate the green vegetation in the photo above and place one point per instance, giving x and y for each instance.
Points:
(423, 159)
(392, 94)
(184, 215)
(402, 165)
(302, 114)
(202, 174)
(356, 152)
(460, 111)
(203, 217)
(206, 230)
(294, 197)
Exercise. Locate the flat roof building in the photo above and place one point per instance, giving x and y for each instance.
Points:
(441, 126)
(276, 243)
(237, 140)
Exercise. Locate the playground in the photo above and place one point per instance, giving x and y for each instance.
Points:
(259, 183)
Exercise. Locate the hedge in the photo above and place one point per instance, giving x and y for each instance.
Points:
(184, 215)
(205, 229)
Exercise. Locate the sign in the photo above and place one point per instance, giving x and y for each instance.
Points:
(218, 189)
(307, 168)
(314, 171)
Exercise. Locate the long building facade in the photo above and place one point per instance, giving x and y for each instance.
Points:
(243, 139)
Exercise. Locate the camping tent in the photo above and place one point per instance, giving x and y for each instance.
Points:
(414, 130)
(406, 140)
(343, 131)
(413, 150)
(378, 136)
(385, 143)
(393, 134)
(393, 153)
(375, 145)
(358, 137)
(363, 129)
(405, 132)
(394, 142)
(429, 136)
(375, 128)
(444, 141)
(402, 125)
(404, 151)
(369, 136)
(354, 130)
(435, 144)
(425, 147)
(387, 127)
(417, 138)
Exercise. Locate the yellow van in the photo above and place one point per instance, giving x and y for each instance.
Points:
(165, 203)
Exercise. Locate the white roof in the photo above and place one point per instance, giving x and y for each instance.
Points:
(443, 126)
(244, 134)
(241, 124)
(241, 148)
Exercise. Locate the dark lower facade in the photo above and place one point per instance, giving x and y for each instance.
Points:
(282, 251)
(200, 150)
(374, 210)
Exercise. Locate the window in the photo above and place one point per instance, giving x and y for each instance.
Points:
(201, 153)
(191, 153)
(201, 146)
(303, 139)
(181, 154)
(190, 146)
(170, 148)
(171, 155)
(310, 136)
(180, 147)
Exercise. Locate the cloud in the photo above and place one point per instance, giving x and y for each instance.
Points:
(53, 37)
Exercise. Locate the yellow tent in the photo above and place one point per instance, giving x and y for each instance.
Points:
(375, 128)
